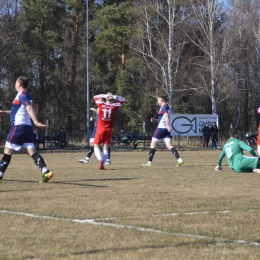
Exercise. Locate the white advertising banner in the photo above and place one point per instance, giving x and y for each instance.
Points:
(191, 125)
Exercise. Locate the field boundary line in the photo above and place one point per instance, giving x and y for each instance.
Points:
(96, 222)
(173, 214)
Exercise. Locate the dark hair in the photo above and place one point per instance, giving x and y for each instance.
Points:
(163, 98)
(23, 81)
(233, 132)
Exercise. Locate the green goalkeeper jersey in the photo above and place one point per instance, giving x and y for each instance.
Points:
(237, 161)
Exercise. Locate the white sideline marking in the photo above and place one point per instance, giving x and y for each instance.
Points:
(96, 223)
(173, 214)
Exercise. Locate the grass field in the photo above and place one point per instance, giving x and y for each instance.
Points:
(129, 212)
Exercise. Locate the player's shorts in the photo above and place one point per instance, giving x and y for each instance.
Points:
(245, 163)
(103, 136)
(20, 136)
(161, 135)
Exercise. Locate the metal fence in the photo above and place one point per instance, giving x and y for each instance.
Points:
(79, 139)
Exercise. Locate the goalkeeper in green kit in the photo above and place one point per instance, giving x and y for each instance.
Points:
(237, 161)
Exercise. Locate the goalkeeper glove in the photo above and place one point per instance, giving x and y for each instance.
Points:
(218, 168)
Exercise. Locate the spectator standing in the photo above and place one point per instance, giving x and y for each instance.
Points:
(206, 135)
(214, 132)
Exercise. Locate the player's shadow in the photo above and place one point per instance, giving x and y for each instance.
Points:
(112, 179)
(73, 183)
(51, 183)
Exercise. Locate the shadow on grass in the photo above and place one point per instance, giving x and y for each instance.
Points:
(201, 244)
(72, 182)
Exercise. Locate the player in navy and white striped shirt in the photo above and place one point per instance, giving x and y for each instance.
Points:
(162, 132)
(21, 133)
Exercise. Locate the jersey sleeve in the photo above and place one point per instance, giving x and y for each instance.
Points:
(24, 99)
(221, 156)
(120, 100)
(244, 146)
(165, 109)
(98, 97)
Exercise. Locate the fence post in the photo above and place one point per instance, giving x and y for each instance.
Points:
(143, 135)
(51, 141)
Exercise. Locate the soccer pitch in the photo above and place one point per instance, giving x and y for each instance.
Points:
(128, 211)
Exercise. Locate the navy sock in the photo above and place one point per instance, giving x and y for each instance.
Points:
(175, 153)
(151, 154)
(40, 162)
(4, 164)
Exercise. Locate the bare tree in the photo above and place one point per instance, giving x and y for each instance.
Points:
(210, 33)
(254, 18)
(10, 29)
(245, 21)
(158, 43)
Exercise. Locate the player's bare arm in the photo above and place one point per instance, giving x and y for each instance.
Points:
(154, 120)
(167, 119)
(33, 116)
(4, 112)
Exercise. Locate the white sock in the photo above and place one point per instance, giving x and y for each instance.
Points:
(258, 149)
(97, 153)
(105, 155)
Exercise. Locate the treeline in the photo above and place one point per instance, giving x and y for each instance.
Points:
(204, 55)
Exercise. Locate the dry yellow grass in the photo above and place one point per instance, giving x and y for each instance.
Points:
(129, 211)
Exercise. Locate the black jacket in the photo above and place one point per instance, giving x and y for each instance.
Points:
(206, 131)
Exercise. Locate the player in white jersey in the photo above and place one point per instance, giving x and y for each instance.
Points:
(162, 132)
(21, 133)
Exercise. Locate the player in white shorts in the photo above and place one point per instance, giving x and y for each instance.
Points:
(162, 133)
(21, 133)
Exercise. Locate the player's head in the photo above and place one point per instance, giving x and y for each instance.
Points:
(109, 98)
(233, 132)
(161, 100)
(22, 81)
